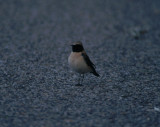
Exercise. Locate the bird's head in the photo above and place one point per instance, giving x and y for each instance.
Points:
(77, 46)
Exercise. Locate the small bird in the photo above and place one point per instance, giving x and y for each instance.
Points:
(80, 62)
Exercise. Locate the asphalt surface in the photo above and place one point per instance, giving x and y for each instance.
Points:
(37, 88)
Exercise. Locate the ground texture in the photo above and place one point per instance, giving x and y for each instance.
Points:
(37, 88)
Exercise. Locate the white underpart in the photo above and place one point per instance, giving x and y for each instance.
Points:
(77, 63)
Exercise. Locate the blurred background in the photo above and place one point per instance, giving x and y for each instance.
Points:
(122, 38)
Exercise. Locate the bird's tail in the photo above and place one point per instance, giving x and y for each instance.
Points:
(95, 73)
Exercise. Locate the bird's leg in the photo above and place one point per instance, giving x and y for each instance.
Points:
(79, 81)
(82, 78)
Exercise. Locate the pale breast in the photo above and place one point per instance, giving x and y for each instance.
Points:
(77, 63)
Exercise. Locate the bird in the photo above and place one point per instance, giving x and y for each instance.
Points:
(80, 62)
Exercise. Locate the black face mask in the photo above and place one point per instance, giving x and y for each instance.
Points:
(77, 48)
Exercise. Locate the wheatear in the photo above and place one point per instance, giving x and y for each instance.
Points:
(80, 62)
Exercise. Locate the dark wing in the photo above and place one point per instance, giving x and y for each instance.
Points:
(90, 64)
(88, 61)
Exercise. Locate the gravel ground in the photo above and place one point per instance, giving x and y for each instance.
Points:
(37, 88)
